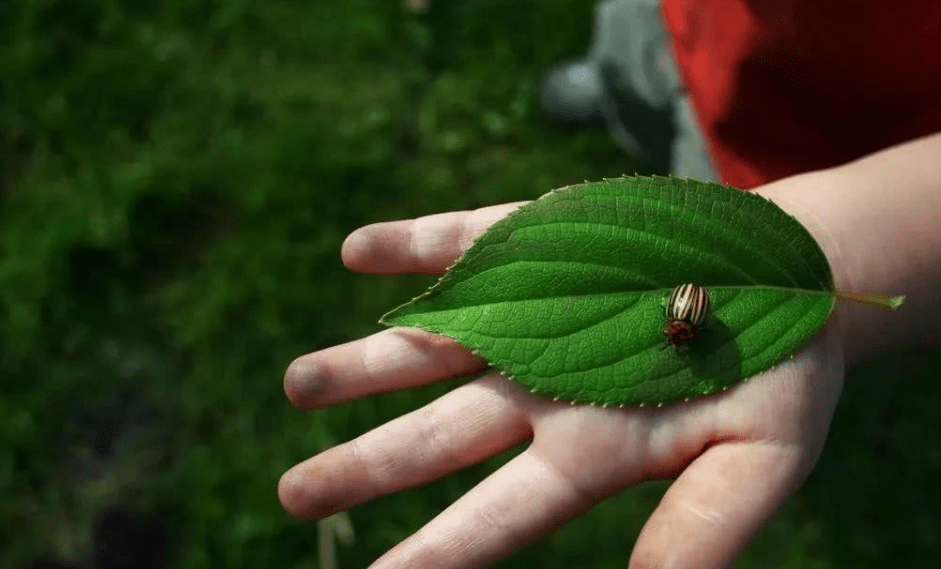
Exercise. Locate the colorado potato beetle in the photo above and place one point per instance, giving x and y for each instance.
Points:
(685, 311)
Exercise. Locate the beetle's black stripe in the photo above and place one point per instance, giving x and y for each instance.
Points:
(689, 303)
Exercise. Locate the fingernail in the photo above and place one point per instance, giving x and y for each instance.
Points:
(354, 248)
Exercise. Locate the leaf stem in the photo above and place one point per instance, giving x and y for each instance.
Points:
(882, 301)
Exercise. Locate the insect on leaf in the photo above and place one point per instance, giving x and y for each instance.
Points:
(566, 294)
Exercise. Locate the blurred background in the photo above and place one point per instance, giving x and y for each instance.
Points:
(176, 178)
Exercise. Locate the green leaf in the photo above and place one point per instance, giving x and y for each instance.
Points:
(566, 295)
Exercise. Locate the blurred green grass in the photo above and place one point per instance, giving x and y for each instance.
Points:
(175, 182)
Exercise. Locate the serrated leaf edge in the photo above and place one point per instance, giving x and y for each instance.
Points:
(383, 320)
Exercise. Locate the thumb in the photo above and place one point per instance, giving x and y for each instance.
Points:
(718, 504)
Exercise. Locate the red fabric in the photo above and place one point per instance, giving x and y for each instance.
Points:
(783, 87)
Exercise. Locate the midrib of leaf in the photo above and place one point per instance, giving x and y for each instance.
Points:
(656, 344)
(663, 291)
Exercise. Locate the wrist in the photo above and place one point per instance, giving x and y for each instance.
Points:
(802, 196)
(876, 221)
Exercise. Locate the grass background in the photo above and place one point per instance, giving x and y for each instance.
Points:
(176, 178)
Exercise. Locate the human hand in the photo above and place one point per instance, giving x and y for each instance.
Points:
(737, 454)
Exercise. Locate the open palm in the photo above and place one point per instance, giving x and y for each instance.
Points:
(737, 454)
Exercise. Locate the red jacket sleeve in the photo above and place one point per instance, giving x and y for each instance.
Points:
(785, 87)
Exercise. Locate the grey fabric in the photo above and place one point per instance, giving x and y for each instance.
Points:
(643, 101)
(571, 93)
(690, 155)
(631, 43)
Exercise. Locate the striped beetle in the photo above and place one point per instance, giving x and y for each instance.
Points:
(685, 311)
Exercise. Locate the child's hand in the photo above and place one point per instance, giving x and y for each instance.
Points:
(738, 454)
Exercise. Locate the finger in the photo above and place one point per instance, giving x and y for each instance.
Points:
(467, 425)
(428, 244)
(718, 504)
(519, 503)
(397, 358)
(768, 434)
